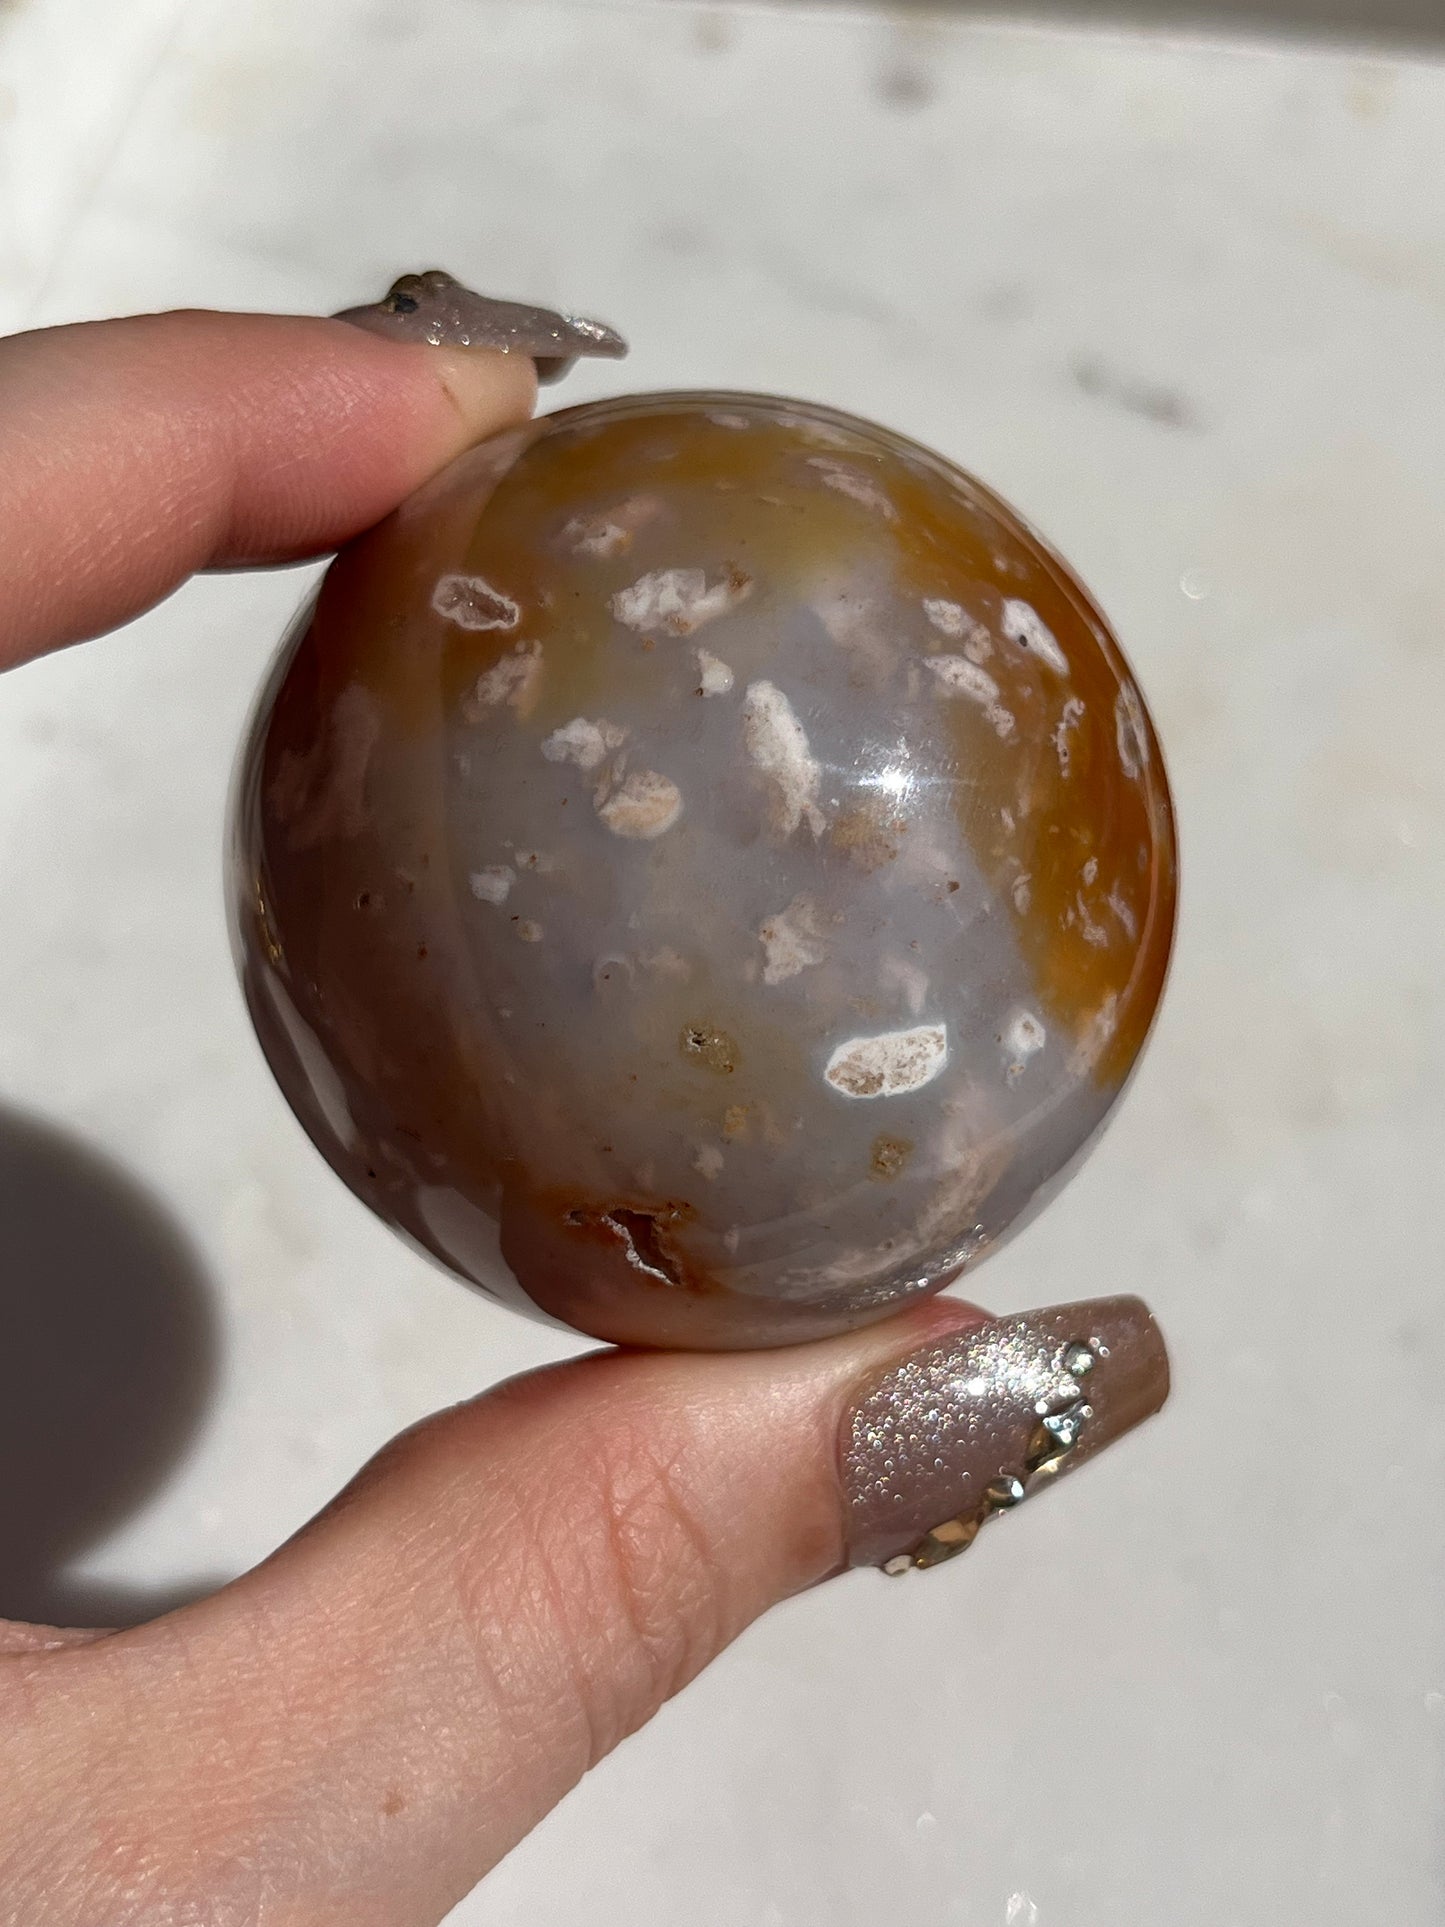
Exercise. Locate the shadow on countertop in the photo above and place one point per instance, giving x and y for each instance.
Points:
(108, 1362)
(1363, 22)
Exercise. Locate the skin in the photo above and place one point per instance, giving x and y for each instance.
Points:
(357, 1730)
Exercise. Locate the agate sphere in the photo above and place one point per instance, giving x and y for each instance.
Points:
(702, 869)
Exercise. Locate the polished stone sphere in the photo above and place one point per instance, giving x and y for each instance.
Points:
(703, 869)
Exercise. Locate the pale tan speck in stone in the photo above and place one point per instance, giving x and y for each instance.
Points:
(715, 677)
(1024, 1037)
(645, 806)
(778, 746)
(1023, 625)
(1073, 714)
(905, 978)
(948, 618)
(889, 1065)
(1129, 732)
(512, 681)
(957, 676)
(472, 603)
(852, 483)
(584, 743)
(793, 941)
(668, 962)
(494, 884)
(678, 601)
(613, 532)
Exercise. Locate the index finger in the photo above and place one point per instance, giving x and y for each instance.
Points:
(135, 452)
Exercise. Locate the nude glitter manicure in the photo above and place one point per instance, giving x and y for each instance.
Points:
(436, 309)
(970, 1426)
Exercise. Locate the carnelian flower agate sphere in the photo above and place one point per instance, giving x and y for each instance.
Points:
(703, 869)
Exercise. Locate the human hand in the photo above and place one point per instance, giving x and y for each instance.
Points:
(357, 1730)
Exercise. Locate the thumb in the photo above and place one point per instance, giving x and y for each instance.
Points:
(360, 1728)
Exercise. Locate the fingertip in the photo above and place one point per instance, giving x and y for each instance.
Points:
(399, 411)
(486, 388)
(395, 413)
(459, 396)
(135, 452)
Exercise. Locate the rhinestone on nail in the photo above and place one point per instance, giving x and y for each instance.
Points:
(1005, 1493)
(1055, 1437)
(945, 1542)
(1062, 1417)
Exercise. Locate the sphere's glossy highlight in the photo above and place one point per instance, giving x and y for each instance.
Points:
(703, 869)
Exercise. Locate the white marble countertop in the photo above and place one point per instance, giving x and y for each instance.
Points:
(1184, 304)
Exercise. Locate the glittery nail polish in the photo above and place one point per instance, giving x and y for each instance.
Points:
(969, 1426)
(434, 308)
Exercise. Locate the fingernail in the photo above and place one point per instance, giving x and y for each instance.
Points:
(434, 308)
(969, 1426)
